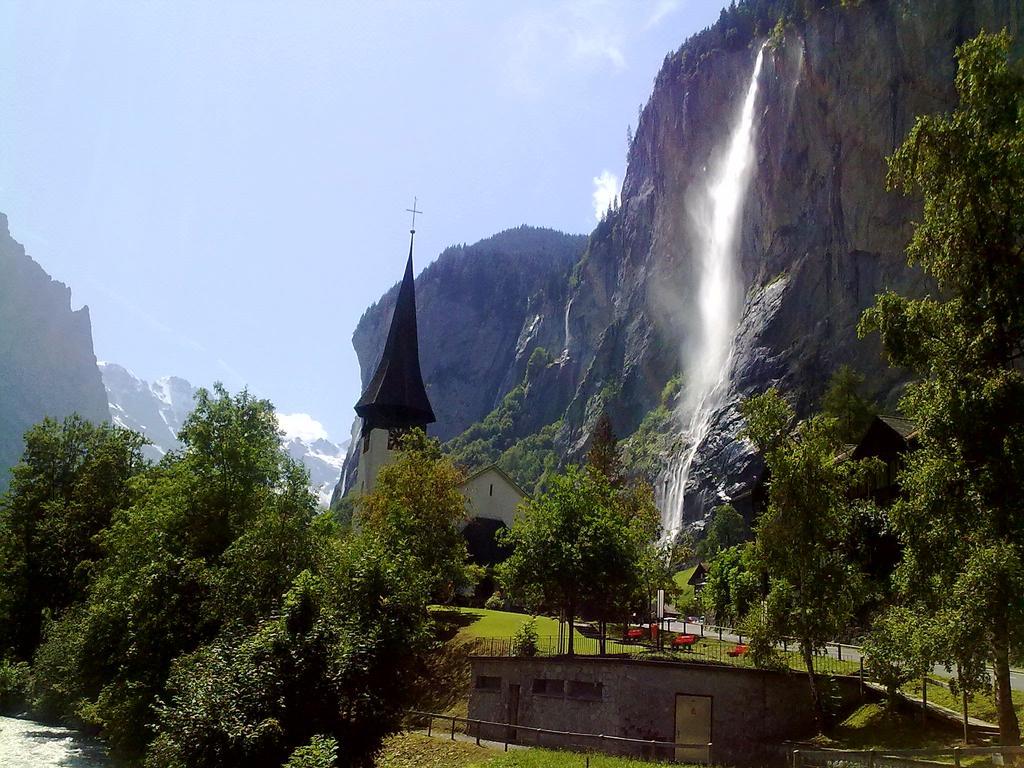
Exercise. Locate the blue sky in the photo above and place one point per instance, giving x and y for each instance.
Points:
(224, 183)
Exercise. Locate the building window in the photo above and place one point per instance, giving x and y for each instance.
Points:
(577, 689)
(545, 687)
(492, 490)
(488, 683)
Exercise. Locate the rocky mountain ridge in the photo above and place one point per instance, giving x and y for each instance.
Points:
(47, 363)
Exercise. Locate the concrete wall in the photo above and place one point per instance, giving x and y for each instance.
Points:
(752, 711)
(489, 494)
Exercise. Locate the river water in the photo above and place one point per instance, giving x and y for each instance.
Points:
(29, 744)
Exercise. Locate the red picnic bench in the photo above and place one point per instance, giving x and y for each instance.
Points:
(738, 650)
(636, 633)
(685, 641)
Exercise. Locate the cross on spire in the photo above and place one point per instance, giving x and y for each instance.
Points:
(413, 211)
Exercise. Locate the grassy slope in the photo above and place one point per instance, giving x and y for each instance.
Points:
(981, 705)
(871, 727)
(413, 750)
(680, 579)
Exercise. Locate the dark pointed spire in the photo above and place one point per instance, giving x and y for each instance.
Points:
(395, 396)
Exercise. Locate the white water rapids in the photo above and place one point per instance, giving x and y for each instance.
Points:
(29, 744)
(707, 365)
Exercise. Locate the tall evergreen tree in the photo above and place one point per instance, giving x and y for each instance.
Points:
(962, 520)
(844, 402)
(604, 455)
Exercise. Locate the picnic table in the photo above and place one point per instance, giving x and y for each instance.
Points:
(737, 650)
(635, 633)
(685, 641)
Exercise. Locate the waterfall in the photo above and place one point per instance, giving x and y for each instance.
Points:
(568, 335)
(707, 366)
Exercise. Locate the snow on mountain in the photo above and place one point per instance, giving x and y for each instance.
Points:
(159, 409)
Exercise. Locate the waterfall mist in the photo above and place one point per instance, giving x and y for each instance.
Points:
(707, 359)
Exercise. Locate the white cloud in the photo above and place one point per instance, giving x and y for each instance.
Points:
(606, 192)
(661, 9)
(580, 35)
(302, 426)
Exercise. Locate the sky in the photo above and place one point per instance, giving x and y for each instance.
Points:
(224, 183)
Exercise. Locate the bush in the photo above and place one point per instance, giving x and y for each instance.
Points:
(14, 683)
(495, 602)
(524, 642)
(321, 752)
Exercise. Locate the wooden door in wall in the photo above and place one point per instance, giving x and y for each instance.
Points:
(693, 726)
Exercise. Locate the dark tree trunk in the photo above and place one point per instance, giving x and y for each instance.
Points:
(1009, 728)
(807, 652)
(570, 614)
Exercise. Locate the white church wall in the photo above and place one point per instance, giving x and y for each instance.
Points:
(490, 494)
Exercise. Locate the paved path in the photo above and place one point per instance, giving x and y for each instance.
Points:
(29, 744)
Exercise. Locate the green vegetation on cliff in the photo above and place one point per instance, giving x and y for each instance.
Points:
(498, 439)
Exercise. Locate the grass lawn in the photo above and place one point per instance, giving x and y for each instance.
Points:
(484, 624)
(981, 705)
(468, 625)
(412, 750)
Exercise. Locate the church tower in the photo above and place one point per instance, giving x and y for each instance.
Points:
(395, 401)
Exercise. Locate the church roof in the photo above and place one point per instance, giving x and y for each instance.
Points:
(395, 396)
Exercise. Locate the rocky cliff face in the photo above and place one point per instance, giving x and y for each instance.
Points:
(819, 236)
(47, 364)
(482, 309)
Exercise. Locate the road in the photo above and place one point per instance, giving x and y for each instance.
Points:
(833, 650)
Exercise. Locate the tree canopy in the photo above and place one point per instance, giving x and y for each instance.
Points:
(215, 618)
(844, 403)
(582, 545)
(813, 585)
(64, 491)
(961, 520)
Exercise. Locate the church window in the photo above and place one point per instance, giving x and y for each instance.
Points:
(492, 490)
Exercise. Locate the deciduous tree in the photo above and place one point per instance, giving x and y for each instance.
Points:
(962, 518)
(417, 506)
(72, 478)
(813, 586)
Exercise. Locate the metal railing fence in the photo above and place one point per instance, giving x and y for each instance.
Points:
(473, 729)
(707, 650)
(897, 758)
